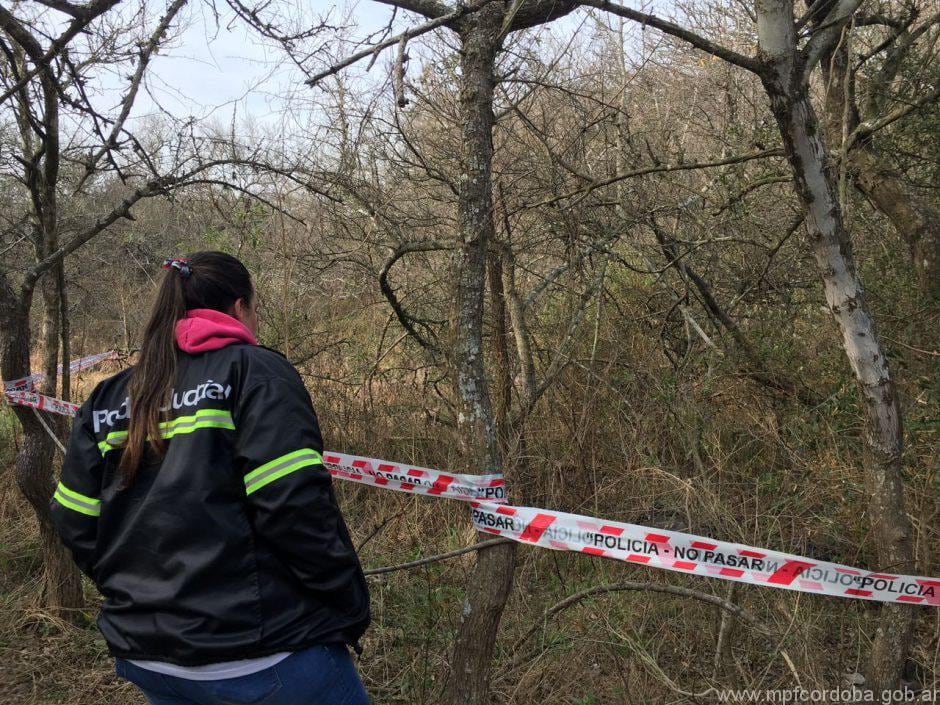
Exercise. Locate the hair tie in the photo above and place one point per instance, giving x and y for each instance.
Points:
(180, 265)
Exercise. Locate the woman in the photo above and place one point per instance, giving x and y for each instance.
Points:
(193, 494)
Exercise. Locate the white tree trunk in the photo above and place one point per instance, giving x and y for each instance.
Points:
(832, 249)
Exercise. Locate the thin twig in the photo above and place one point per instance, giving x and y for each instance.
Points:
(434, 559)
(658, 169)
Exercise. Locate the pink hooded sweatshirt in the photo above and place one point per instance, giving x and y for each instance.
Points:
(203, 329)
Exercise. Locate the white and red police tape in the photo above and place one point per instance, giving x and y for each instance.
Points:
(28, 383)
(698, 555)
(413, 479)
(42, 402)
(632, 543)
(22, 391)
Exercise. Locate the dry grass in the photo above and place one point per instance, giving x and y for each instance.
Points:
(637, 442)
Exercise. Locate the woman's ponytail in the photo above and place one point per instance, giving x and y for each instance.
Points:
(213, 280)
(153, 377)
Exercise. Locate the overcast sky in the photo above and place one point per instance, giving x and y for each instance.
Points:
(218, 65)
(215, 67)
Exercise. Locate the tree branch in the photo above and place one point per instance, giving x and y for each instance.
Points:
(531, 14)
(90, 12)
(869, 127)
(154, 187)
(826, 36)
(696, 40)
(439, 20)
(389, 293)
(440, 557)
(659, 169)
(146, 52)
(429, 8)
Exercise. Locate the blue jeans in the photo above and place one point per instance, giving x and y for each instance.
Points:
(320, 675)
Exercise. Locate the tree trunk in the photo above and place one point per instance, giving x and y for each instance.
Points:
(62, 589)
(65, 331)
(502, 399)
(831, 247)
(488, 590)
(34, 462)
(520, 332)
(915, 221)
(50, 333)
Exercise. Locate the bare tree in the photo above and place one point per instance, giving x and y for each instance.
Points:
(481, 35)
(481, 28)
(36, 86)
(79, 172)
(784, 67)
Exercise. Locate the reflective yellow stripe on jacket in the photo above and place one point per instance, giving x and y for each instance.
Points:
(77, 502)
(204, 418)
(279, 467)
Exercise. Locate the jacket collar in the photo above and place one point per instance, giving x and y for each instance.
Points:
(203, 329)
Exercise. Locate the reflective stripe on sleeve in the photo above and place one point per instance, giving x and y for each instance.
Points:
(279, 467)
(112, 441)
(204, 418)
(77, 502)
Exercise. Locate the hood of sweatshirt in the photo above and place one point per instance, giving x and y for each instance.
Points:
(203, 329)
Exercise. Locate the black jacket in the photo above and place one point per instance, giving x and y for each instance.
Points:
(230, 547)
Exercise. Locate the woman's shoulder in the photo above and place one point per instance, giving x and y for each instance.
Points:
(262, 355)
(262, 362)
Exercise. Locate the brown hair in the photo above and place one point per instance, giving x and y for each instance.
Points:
(212, 280)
